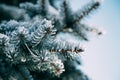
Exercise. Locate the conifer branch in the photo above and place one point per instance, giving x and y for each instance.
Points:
(83, 29)
(66, 12)
(32, 9)
(4, 71)
(44, 7)
(66, 49)
(44, 29)
(35, 48)
(85, 11)
(25, 72)
(12, 12)
(8, 27)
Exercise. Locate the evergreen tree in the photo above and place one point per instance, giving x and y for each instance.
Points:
(42, 41)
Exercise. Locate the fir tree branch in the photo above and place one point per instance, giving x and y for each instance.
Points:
(5, 69)
(65, 49)
(12, 12)
(83, 29)
(44, 29)
(35, 47)
(8, 27)
(18, 40)
(44, 4)
(19, 36)
(25, 72)
(46, 62)
(86, 10)
(55, 65)
(65, 46)
(4, 40)
(32, 9)
(41, 7)
(66, 12)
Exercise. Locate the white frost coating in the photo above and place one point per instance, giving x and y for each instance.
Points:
(22, 30)
(4, 40)
(47, 23)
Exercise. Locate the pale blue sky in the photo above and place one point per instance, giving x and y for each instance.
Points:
(102, 58)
